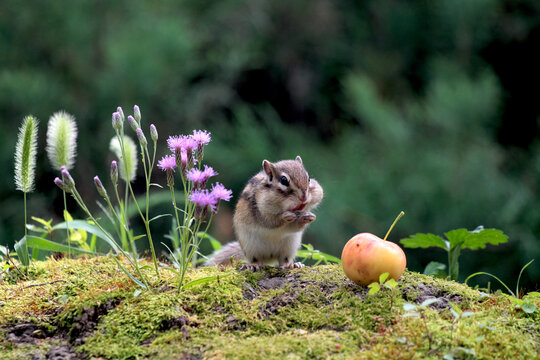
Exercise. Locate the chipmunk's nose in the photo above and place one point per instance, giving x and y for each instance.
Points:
(303, 196)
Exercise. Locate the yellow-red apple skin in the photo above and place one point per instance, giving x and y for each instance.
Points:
(366, 256)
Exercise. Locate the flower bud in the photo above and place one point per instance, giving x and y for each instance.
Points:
(117, 122)
(114, 173)
(100, 188)
(141, 137)
(121, 112)
(153, 133)
(66, 176)
(137, 114)
(62, 185)
(133, 123)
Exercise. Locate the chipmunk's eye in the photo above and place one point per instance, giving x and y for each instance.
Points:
(284, 181)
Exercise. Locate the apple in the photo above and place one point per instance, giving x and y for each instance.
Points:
(366, 256)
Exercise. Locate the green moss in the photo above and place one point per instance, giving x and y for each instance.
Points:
(306, 313)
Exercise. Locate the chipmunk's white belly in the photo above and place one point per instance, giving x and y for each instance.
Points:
(269, 245)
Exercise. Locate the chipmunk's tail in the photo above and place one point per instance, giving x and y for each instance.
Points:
(226, 255)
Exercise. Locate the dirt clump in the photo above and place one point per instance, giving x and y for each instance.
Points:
(84, 324)
(27, 333)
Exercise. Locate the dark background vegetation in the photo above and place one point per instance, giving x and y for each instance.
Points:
(430, 107)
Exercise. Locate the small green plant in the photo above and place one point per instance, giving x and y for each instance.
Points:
(199, 202)
(418, 311)
(187, 156)
(456, 240)
(9, 264)
(61, 150)
(384, 282)
(309, 253)
(25, 166)
(526, 302)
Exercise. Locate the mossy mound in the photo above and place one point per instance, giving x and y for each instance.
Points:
(89, 309)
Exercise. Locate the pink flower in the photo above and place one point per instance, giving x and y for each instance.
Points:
(180, 146)
(167, 163)
(202, 137)
(201, 177)
(209, 171)
(198, 177)
(175, 143)
(203, 199)
(220, 192)
(188, 143)
(181, 142)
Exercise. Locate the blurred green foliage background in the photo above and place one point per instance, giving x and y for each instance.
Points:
(430, 107)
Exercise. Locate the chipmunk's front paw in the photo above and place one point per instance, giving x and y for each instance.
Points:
(307, 217)
(288, 216)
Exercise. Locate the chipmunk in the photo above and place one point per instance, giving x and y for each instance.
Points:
(271, 214)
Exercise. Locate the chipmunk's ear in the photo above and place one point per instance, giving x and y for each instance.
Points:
(299, 159)
(268, 168)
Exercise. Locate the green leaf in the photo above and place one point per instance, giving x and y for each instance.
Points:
(391, 283)
(409, 306)
(91, 228)
(373, 288)
(436, 269)
(514, 300)
(457, 237)
(204, 280)
(428, 302)
(331, 258)
(138, 237)
(318, 256)
(3, 250)
(529, 308)
(22, 251)
(383, 277)
(308, 247)
(47, 245)
(216, 245)
(129, 275)
(46, 224)
(158, 216)
(424, 241)
(479, 240)
(532, 295)
(476, 239)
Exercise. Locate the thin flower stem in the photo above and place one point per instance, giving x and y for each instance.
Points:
(128, 186)
(125, 215)
(148, 175)
(25, 222)
(124, 229)
(118, 223)
(67, 224)
(200, 239)
(133, 262)
(147, 226)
